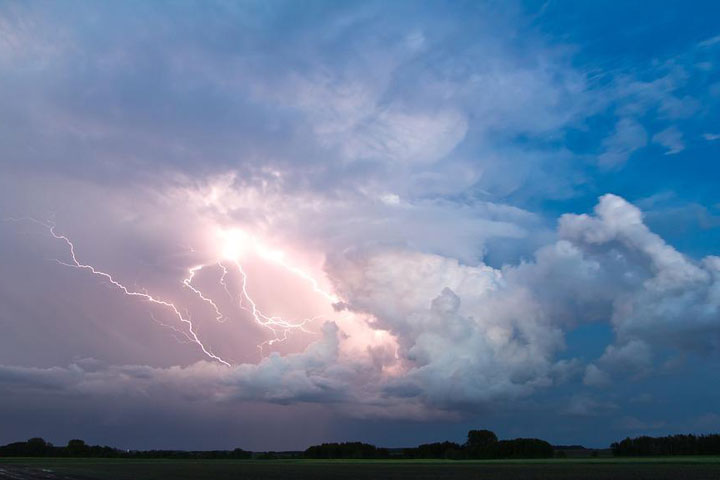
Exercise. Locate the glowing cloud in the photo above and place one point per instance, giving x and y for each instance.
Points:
(234, 245)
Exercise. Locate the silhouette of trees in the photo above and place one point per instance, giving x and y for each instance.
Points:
(37, 447)
(346, 450)
(670, 445)
(523, 448)
(77, 448)
(481, 444)
(481, 438)
(435, 450)
(485, 444)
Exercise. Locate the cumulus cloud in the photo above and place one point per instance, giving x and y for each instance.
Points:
(398, 159)
(607, 267)
(455, 336)
(674, 300)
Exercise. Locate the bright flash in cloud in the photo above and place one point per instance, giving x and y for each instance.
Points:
(234, 245)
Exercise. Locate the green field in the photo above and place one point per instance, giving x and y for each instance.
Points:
(689, 468)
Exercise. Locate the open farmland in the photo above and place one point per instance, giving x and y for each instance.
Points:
(677, 468)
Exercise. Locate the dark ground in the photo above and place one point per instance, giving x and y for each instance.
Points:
(689, 468)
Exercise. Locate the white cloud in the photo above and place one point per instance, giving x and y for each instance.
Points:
(628, 137)
(468, 335)
(368, 155)
(672, 300)
(710, 41)
(671, 138)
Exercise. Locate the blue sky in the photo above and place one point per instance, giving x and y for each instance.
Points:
(475, 214)
(611, 40)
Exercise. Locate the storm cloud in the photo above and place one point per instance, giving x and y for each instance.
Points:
(455, 178)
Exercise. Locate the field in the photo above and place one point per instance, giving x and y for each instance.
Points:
(675, 468)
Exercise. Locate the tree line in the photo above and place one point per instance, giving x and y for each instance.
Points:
(346, 450)
(38, 447)
(483, 444)
(479, 444)
(670, 445)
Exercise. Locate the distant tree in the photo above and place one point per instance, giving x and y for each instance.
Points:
(346, 450)
(267, 456)
(670, 445)
(480, 444)
(523, 448)
(435, 450)
(77, 448)
(37, 447)
(240, 453)
(481, 438)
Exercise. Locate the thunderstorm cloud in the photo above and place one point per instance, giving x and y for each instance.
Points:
(338, 221)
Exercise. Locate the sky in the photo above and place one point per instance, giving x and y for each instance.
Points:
(273, 224)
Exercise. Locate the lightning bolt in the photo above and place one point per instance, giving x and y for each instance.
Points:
(192, 335)
(224, 285)
(277, 325)
(187, 281)
(274, 323)
(278, 259)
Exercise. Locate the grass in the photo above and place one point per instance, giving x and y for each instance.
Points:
(689, 468)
